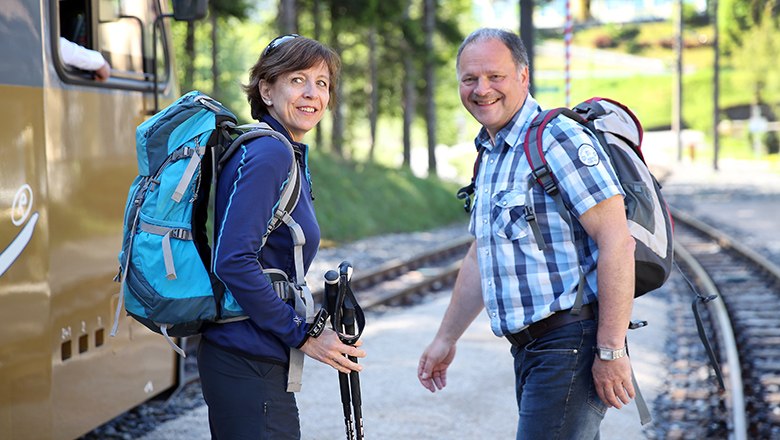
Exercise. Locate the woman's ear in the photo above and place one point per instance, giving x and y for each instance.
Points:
(265, 92)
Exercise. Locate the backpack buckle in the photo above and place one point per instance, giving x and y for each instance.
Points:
(543, 175)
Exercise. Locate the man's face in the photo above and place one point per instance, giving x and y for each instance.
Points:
(492, 87)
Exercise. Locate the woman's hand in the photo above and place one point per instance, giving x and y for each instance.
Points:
(328, 349)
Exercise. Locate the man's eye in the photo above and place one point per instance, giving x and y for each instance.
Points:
(468, 80)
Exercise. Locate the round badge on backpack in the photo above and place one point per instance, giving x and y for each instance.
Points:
(588, 155)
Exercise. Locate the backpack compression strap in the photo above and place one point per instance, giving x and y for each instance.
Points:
(542, 174)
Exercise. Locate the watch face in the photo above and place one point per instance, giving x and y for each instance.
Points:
(606, 354)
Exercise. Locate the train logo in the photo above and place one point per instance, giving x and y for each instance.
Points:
(20, 212)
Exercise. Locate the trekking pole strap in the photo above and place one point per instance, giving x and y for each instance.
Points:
(641, 405)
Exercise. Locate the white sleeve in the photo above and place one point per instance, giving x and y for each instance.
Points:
(80, 57)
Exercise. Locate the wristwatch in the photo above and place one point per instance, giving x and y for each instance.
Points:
(610, 354)
(318, 325)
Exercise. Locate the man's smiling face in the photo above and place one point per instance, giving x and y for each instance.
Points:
(492, 87)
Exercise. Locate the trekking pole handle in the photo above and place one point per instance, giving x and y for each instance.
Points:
(345, 270)
(331, 291)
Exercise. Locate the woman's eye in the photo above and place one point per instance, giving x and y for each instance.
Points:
(322, 83)
(297, 80)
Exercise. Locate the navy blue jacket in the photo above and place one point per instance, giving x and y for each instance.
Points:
(248, 190)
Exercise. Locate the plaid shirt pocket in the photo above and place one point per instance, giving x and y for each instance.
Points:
(508, 215)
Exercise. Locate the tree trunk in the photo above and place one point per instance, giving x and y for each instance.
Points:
(317, 17)
(288, 17)
(337, 126)
(581, 11)
(409, 93)
(215, 90)
(373, 115)
(527, 35)
(429, 15)
(189, 61)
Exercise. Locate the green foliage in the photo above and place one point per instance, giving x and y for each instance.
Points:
(355, 200)
(757, 56)
(738, 16)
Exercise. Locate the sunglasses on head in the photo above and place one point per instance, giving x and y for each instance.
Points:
(278, 41)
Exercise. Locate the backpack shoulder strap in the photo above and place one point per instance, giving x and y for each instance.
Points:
(542, 174)
(534, 149)
(291, 191)
(467, 191)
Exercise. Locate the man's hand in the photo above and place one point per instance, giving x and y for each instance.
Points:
(432, 370)
(103, 73)
(612, 380)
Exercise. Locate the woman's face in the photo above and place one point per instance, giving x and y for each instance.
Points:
(298, 99)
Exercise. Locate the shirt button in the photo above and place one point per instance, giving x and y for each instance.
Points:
(484, 221)
(494, 314)
(492, 160)
(485, 190)
(504, 203)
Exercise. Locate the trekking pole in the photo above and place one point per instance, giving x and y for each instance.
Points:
(330, 300)
(348, 308)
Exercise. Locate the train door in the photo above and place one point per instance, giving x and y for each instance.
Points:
(68, 148)
(24, 292)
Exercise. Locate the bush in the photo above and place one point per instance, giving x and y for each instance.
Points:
(623, 33)
(604, 42)
(772, 142)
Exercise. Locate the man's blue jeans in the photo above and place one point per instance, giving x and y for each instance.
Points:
(556, 398)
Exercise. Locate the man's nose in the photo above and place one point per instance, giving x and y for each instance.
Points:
(482, 87)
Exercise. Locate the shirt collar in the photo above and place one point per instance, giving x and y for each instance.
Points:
(299, 147)
(513, 131)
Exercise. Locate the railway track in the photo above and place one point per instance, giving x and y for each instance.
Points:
(742, 323)
(745, 319)
(399, 281)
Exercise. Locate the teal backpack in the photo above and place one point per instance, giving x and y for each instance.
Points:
(166, 276)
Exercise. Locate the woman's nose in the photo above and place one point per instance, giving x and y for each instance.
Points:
(308, 90)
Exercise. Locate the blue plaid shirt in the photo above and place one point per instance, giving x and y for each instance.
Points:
(520, 283)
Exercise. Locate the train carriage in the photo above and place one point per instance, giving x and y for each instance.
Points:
(67, 157)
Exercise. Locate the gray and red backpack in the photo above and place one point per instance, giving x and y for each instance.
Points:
(620, 133)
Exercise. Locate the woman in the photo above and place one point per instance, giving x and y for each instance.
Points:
(243, 365)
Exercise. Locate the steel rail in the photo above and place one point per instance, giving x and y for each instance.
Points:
(396, 268)
(726, 242)
(726, 333)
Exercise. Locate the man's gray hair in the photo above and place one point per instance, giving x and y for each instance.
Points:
(510, 39)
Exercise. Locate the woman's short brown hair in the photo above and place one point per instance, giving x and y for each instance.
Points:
(296, 54)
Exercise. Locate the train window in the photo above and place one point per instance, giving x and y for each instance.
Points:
(65, 350)
(99, 337)
(83, 343)
(126, 33)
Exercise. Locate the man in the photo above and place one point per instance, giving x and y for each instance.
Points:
(563, 389)
(85, 59)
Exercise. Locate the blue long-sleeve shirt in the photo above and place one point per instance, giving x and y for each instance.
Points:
(248, 190)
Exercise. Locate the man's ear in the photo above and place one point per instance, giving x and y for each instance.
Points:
(525, 77)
